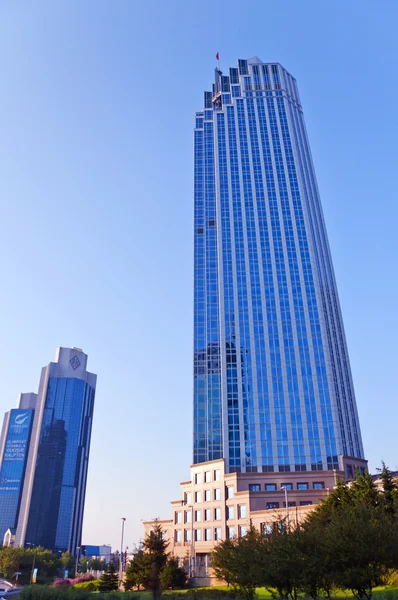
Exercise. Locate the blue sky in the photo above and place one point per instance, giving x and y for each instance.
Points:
(97, 108)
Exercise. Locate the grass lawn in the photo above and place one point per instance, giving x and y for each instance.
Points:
(381, 593)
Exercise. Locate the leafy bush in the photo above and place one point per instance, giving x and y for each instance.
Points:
(90, 586)
(82, 578)
(44, 592)
(392, 578)
(62, 583)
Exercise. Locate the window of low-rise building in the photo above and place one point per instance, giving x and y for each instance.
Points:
(217, 533)
(217, 474)
(242, 511)
(217, 494)
(197, 478)
(178, 517)
(198, 515)
(302, 486)
(207, 476)
(271, 505)
(187, 535)
(270, 487)
(188, 516)
(217, 514)
(208, 514)
(266, 528)
(198, 496)
(230, 512)
(178, 535)
(287, 486)
(207, 495)
(231, 533)
(254, 487)
(198, 535)
(318, 485)
(230, 491)
(242, 530)
(208, 534)
(188, 498)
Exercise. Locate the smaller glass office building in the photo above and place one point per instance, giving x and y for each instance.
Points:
(13, 454)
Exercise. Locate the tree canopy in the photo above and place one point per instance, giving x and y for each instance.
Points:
(350, 541)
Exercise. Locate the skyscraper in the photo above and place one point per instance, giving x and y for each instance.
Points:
(51, 456)
(273, 389)
(14, 447)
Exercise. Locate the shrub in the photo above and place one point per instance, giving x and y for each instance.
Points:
(83, 578)
(62, 583)
(392, 578)
(90, 586)
(45, 592)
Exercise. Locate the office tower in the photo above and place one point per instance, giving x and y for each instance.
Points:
(52, 502)
(14, 445)
(273, 389)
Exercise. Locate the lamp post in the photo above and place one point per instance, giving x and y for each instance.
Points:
(121, 554)
(284, 487)
(34, 560)
(192, 556)
(192, 547)
(77, 559)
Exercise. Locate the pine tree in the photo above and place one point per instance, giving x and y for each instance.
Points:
(390, 489)
(109, 580)
(364, 490)
(155, 547)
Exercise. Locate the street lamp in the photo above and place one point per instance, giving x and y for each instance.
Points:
(77, 559)
(192, 557)
(284, 487)
(121, 554)
(34, 559)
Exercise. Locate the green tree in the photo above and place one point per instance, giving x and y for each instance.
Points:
(46, 562)
(155, 546)
(109, 580)
(282, 565)
(10, 560)
(138, 571)
(96, 564)
(363, 549)
(240, 562)
(172, 575)
(390, 490)
(84, 564)
(364, 490)
(67, 561)
(315, 560)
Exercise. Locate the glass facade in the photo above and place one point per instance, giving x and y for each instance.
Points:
(273, 389)
(58, 493)
(17, 430)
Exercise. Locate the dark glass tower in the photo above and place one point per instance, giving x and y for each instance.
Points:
(273, 389)
(52, 504)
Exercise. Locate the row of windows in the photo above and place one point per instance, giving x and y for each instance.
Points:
(207, 474)
(208, 534)
(272, 487)
(209, 514)
(207, 495)
(273, 505)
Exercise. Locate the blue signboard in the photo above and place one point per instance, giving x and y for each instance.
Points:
(15, 451)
